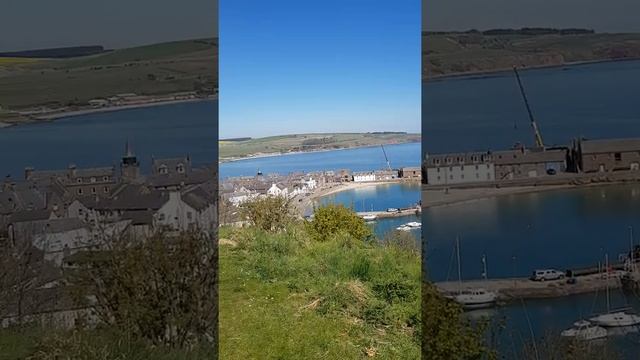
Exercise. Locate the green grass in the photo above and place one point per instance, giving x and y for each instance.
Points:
(284, 296)
(453, 53)
(306, 142)
(101, 344)
(175, 66)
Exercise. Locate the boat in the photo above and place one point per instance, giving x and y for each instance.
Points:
(404, 228)
(413, 224)
(475, 299)
(391, 210)
(621, 317)
(585, 330)
(369, 217)
(472, 299)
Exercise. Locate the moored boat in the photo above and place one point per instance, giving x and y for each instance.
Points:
(585, 330)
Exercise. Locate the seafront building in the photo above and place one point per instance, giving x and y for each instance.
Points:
(57, 215)
(524, 166)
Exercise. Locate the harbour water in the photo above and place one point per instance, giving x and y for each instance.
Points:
(380, 198)
(358, 159)
(555, 229)
(98, 139)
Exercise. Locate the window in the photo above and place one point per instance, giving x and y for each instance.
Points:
(477, 167)
(189, 215)
(488, 176)
(106, 189)
(461, 167)
(93, 179)
(451, 177)
(438, 178)
(80, 191)
(79, 180)
(180, 168)
(163, 169)
(477, 176)
(93, 190)
(488, 166)
(105, 178)
(462, 176)
(438, 169)
(450, 168)
(618, 156)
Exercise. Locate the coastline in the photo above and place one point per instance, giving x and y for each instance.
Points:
(306, 205)
(276, 154)
(481, 73)
(74, 113)
(471, 195)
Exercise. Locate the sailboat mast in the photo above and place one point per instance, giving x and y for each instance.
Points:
(632, 264)
(606, 262)
(459, 271)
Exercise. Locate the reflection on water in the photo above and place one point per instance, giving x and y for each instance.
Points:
(98, 139)
(380, 198)
(359, 159)
(554, 229)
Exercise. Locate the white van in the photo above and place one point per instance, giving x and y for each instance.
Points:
(547, 274)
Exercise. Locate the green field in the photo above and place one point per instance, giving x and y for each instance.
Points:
(147, 70)
(288, 296)
(309, 142)
(460, 53)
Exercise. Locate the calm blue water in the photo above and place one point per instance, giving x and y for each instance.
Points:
(380, 198)
(597, 100)
(99, 139)
(360, 159)
(557, 229)
(377, 197)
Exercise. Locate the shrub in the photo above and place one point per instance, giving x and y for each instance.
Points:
(332, 220)
(270, 213)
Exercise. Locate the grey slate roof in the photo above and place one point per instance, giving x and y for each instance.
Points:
(610, 145)
(508, 157)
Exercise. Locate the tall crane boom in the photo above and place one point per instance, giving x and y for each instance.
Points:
(534, 125)
(386, 158)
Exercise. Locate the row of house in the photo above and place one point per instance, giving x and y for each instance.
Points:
(583, 156)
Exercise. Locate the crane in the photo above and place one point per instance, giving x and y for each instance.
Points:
(386, 158)
(534, 125)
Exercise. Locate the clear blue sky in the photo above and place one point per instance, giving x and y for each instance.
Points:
(294, 66)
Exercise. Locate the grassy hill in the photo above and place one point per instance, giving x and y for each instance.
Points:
(146, 70)
(309, 142)
(472, 52)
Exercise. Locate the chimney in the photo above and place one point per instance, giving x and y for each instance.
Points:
(72, 170)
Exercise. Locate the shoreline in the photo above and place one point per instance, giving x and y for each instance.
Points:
(307, 204)
(481, 73)
(467, 196)
(35, 119)
(277, 154)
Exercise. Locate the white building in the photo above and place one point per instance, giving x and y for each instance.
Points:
(460, 168)
(364, 176)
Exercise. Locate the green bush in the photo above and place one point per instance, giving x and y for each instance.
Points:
(332, 220)
(270, 213)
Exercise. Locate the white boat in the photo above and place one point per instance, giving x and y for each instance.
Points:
(413, 224)
(585, 330)
(472, 298)
(475, 299)
(404, 228)
(622, 317)
(616, 319)
(369, 217)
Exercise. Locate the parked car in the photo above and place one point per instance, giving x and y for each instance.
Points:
(391, 210)
(547, 274)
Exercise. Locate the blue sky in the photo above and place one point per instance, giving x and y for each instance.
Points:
(292, 66)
